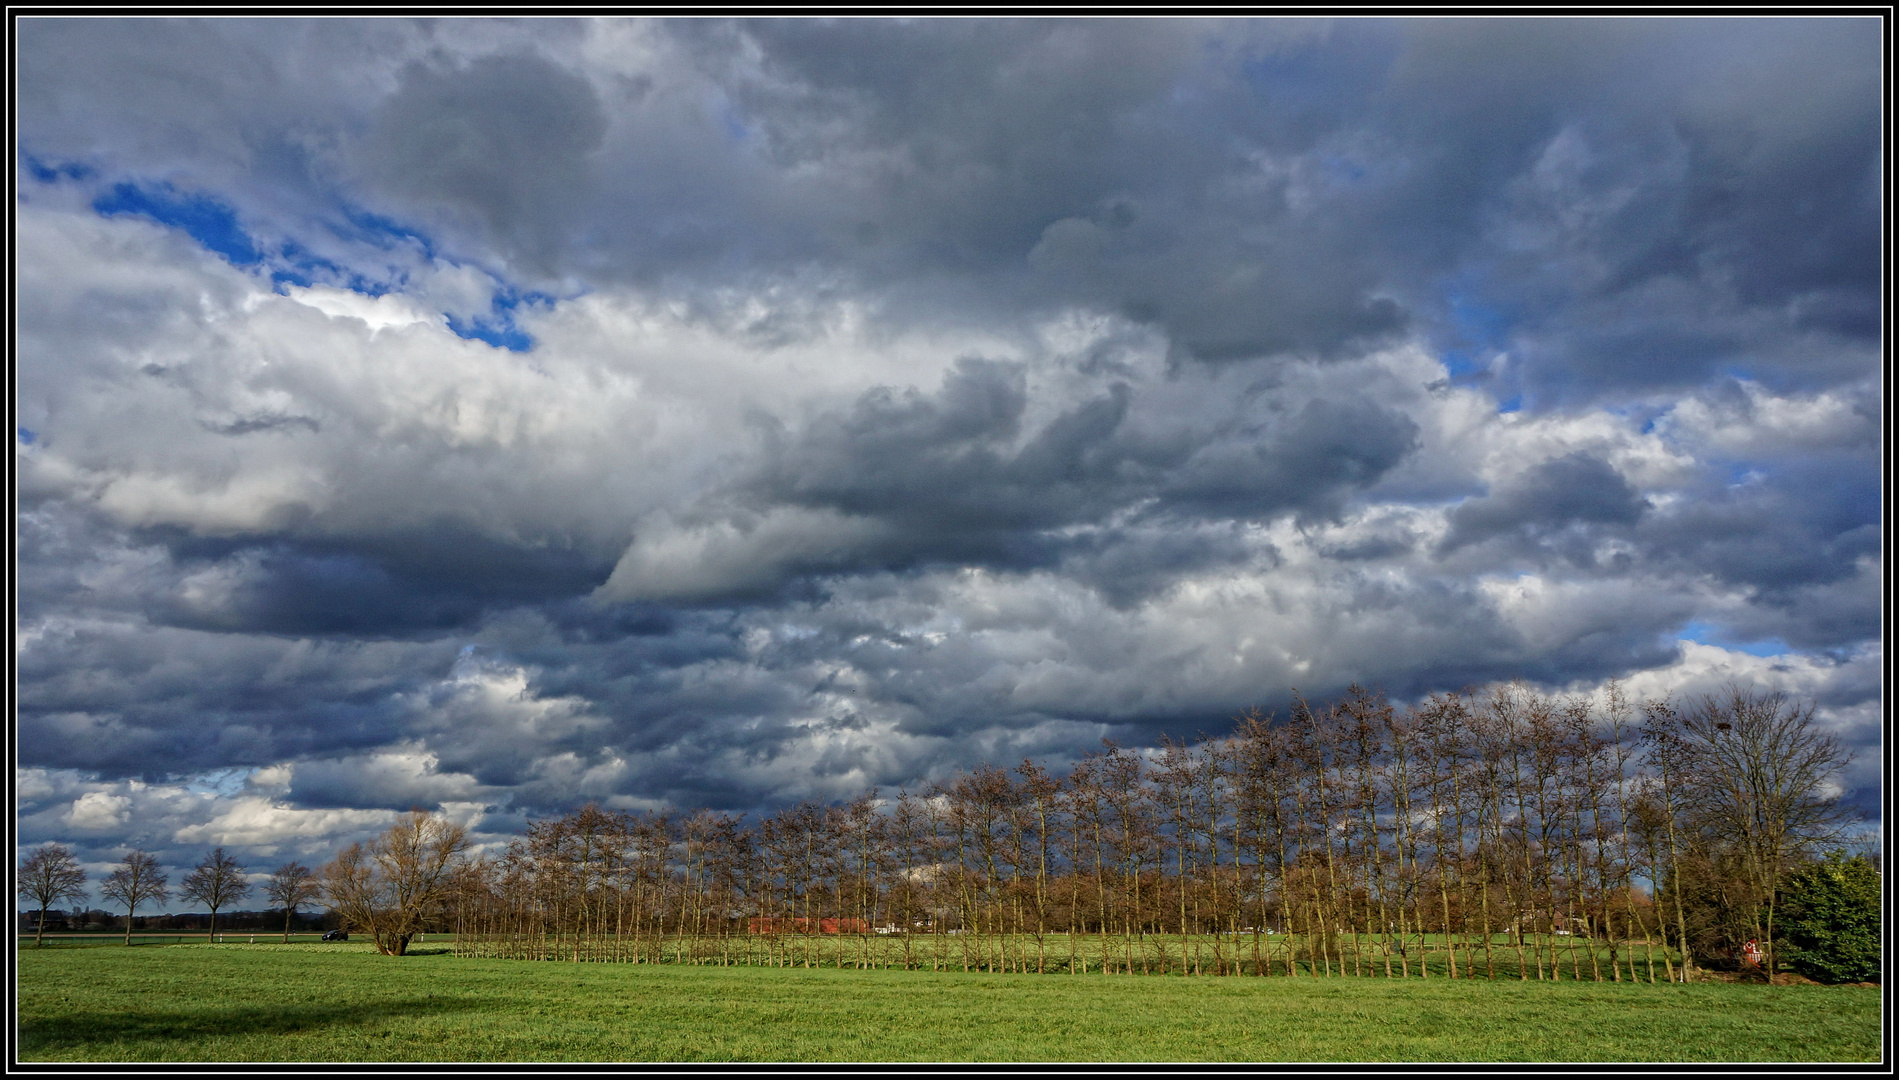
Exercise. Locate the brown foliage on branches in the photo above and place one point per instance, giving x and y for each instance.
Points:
(1503, 833)
(390, 888)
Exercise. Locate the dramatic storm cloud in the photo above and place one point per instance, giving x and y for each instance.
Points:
(500, 415)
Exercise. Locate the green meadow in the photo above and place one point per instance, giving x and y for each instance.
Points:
(334, 1003)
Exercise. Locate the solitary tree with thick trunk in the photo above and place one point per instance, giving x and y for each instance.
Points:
(391, 887)
(291, 886)
(133, 882)
(48, 876)
(215, 882)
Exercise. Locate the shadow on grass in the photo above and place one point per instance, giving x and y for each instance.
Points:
(51, 1034)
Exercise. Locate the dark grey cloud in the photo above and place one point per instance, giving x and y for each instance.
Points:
(506, 138)
(1800, 545)
(1577, 489)
(1250, 188)
(125, 700)
(958, 478)
(1314, 460)
(504, 414)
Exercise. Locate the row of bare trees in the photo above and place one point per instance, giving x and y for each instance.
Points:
(389, 889)
(1474, 835)
(52, 874)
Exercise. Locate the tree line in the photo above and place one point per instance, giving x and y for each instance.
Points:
(52, 875)
(1480, 834)
(1484, 834)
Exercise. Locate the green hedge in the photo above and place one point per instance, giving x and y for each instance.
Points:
(1830, 920)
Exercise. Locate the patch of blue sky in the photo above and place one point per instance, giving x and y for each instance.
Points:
(1474, 331)
(303, 267)
(1460, 363)
(1643, 416)
(501, 333)
(498, 328)
(221, 782)
(498, 331)
(380, 232)
(509, 298)
(1706, 633)
(27, 436)
(214, 225)
(211, 222)
(52, 172)
(1477, 323)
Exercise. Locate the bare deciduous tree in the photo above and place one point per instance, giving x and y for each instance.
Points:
(1754, 782)
(133, 882)
(291, 886)
(1364, 839)
(46, 877)
(215, 882)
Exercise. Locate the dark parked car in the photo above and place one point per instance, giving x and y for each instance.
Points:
(337, 935)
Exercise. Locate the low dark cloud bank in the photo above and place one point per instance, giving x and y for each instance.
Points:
(501, 415)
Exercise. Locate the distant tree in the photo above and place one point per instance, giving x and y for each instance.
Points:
(1830, 919)
(390, 887)
(291, 886)
(133, 882)
(48, 876)
(215, 882)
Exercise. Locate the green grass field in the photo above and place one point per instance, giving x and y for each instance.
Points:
(1365, 956)
(305, 1002)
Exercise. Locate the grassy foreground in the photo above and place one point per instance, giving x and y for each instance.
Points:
(344, 1003)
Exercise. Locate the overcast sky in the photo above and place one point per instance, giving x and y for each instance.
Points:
(500, 415)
